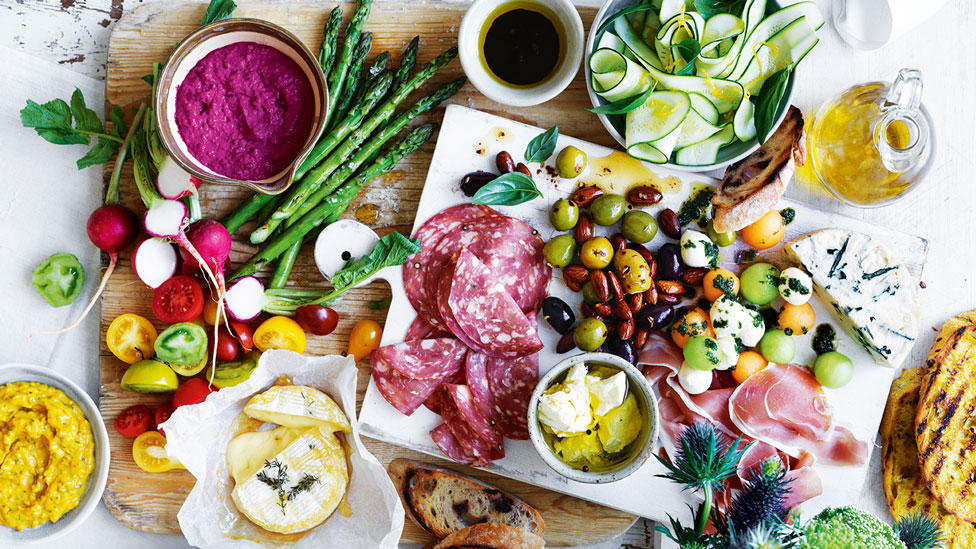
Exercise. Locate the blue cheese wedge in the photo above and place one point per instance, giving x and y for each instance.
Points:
(871, 293)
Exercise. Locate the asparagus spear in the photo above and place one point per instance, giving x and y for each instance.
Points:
(343, 103)
(244, 211)
(372, 73)
(407, 62)
(330, 36)
(340, 71)
(333, 208)
(314, 178)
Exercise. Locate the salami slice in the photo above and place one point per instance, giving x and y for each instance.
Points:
(463, 399)
(421, 329)
(460, 422)
(425, 358)
(429, 234)
(403, 393)
(441, 298)
(433, 402)
(487, 314)
(476, 375)
(511, 249)
(445, 440)
(512, 382)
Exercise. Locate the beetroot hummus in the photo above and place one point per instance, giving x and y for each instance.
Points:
(245, 110)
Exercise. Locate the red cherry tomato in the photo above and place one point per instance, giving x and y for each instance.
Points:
(133, 421)
(194, 391)
(179, 299)
(317, 319)
(163, 411)
(245, 335)
(227, 347)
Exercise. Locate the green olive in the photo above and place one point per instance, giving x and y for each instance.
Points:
(638, 226)
(590, 334)
(608, 209)
(634, 273)
(589, 295)
(570, 162)
(559, 251)
(564, 214)
(720, 239)
(596, 253)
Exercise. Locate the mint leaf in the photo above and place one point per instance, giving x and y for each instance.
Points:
(217, 10)
(507, 190)
(542, 146)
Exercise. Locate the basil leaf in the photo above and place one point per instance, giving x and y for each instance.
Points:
(708, 8)
(768, 101)
(507, 190)
(217, 10)
(392, 249)
(689, 49)
(625, 105)
(380, 305)
(542, 146)
(620, 13)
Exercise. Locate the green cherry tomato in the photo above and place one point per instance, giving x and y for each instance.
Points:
(229, 374)
(184, 343)
(833, 369)
(560, 250)
(59, 279)
(570, 162)
(590, 334)
(149, 377)
(608, 209)
(564, 214)
(777, 347)
(638, 226)
(703, 353)
(759, 284)
(720, 239)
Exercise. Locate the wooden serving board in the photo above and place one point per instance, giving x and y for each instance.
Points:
(150, 502)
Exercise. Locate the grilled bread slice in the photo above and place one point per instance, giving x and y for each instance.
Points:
(442, 501)
(491, 536)
(904, 486)
(752, 186)
(945, 421)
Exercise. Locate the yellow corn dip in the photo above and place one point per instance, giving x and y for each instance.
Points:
(46, 454)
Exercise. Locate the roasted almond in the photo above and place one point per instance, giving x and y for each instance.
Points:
(618, 242)
(625, 330)
(574, 286)
(584, 195)
(598, 279)
(524, 169)
(635, 301)
(650, 295)
(644, 195)
(669, 299)
(565, 344)
(576, 273)
(602, 310)
(621, 310)
(693, 276)
(584, 229)
(667, 221)
(642, 250)
(670, 287)
(616, 290)
(504, 162)
(587, 310)
(640, 338)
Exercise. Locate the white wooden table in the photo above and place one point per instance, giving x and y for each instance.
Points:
(76, 32)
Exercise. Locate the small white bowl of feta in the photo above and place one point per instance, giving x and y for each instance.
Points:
(593, 418)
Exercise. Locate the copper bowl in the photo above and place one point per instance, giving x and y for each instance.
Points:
(216, 35)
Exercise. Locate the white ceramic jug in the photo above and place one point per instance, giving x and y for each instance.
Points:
(871, 24)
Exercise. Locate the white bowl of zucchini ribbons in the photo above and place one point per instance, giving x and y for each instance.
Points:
(696, 84)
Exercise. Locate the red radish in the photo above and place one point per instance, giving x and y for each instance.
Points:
(154, 261)
(208, 247)
(245, 298)
(110, 228)
(165, 218)
(174, 183)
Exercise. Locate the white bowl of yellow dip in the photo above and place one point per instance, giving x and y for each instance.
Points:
(40, 408)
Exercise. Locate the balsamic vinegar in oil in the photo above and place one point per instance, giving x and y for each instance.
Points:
(522, 44)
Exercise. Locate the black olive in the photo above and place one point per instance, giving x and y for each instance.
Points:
(473, 181)
(669, 266)
(623, 349)
(558, 314)
(654, 316)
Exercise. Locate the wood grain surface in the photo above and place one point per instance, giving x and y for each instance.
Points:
(150, 502)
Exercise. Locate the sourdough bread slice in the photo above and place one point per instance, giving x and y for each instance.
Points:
(752, 186)
(443, 501)
(491, 536)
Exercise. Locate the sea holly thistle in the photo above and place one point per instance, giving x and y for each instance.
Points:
(919, 531)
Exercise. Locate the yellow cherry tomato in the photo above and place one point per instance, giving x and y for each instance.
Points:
(280, 332)
(149, 453)
(718, 282)
(689, 323)
(365, 337)
(130, 338)
(797, 319)
(765, 232)
(210, 312)
(749, 363)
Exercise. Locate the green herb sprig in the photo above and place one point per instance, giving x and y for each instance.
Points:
(62, 124)
(217, 10)
(542, 146)
(689, 50)
(625, 105)
(768, 101)
(507, 190)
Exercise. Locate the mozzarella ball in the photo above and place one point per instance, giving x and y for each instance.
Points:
(694, 381)
(728, 316)
(697, 250)
(795, 286)
(731, 348)
(753, 329)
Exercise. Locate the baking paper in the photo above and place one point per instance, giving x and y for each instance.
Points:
(198, 435)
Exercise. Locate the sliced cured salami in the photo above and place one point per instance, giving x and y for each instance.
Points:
(463, 399)
(487, 313)
(459, 422)
(429, 234)
(425, 358)
(512, 382)
(442, 301)
(476, 374)
(421, 329)
(403, 393)
(445, 440)
(433, 402)
(511, 249)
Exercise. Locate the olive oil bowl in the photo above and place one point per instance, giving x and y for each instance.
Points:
(632, 455)
(95, 485)
(521, 52)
